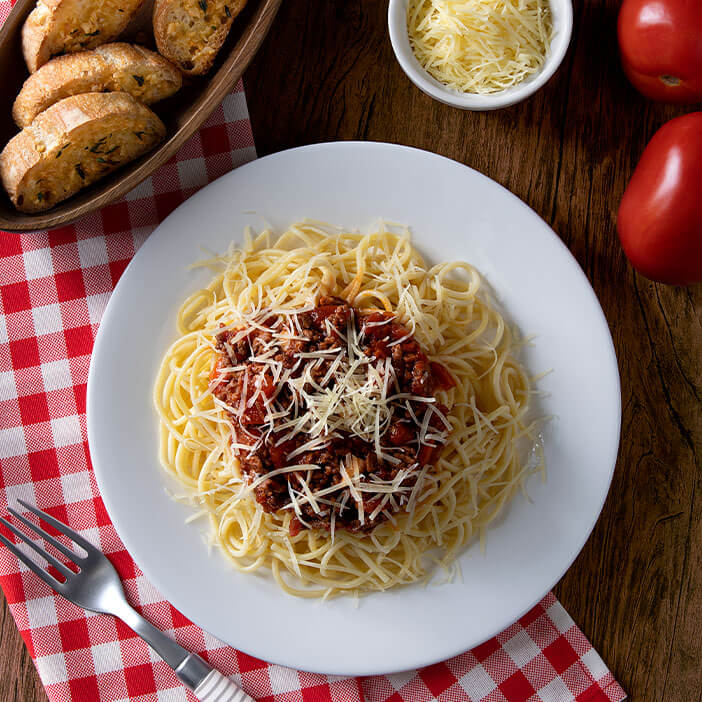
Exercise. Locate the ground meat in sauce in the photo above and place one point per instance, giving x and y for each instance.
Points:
(323, 328)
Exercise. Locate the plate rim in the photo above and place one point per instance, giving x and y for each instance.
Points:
(419, 660)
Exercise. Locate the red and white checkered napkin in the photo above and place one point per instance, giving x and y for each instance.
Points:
(53, 289)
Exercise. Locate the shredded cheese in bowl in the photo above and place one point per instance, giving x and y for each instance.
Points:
(480, 46)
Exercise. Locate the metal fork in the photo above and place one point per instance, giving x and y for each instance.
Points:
(97, 587)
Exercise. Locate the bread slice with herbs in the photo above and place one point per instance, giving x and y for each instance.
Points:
(144, 74)
(191, 32)
(74, 143)
(56, 27)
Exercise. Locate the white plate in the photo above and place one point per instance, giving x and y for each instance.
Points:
(455, 213)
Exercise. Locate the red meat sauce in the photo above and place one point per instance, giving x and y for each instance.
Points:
(325, 327)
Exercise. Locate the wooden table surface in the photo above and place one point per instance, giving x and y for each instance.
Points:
(327, 72)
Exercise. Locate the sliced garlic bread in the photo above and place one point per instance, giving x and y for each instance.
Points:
(191, 32)
(144, 74)
(74, 143)
(56, 27)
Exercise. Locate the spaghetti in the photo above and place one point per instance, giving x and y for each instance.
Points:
(302, 391)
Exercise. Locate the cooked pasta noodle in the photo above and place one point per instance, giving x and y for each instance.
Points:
(481, 467)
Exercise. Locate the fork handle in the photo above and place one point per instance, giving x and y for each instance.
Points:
(218, 688)
(208, 684)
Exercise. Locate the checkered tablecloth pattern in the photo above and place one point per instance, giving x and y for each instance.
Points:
(54, 287)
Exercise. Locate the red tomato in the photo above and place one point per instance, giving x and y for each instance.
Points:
(401, 434)
(428, 454)
(398, 331)
(660, 215)
(319, 314)
(661, 48)
(256, 414)
(279, 453)
(444, 380)
(373, 327)
(214, 373)
(295, 527)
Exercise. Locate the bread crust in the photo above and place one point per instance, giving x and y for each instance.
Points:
(183, 31)
(56, 27)
(144, 74)
(73, 143)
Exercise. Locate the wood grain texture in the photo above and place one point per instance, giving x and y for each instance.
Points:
(19, 681)
(326, 72)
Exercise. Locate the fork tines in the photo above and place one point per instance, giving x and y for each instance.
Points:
(72, 556)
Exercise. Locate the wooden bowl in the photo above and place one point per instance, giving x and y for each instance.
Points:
(182, 114)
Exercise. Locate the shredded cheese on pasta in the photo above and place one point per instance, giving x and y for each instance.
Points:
(480, 46)
(481, 467)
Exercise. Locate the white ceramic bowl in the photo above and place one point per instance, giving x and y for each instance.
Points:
(562, 13)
